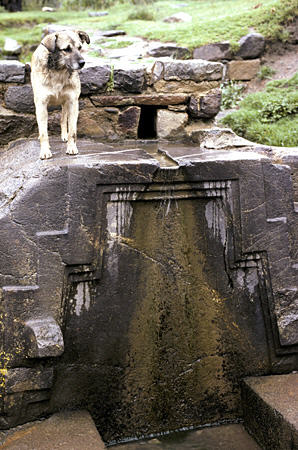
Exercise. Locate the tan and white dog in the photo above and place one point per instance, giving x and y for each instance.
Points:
(55, 81)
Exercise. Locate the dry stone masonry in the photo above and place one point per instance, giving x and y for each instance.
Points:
(120, 101)
(146, 277)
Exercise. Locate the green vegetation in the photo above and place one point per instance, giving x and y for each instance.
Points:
(213, 21)
(231, 92)
(265, 72)
(113, 44)
(269, 117)
(142, 13)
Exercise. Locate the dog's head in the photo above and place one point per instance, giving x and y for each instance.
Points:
(65, 49)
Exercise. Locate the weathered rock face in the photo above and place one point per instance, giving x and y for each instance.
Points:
(251, 46)
(213, 52)
(144, 283)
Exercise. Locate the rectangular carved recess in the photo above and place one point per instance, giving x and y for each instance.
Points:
(228, 191)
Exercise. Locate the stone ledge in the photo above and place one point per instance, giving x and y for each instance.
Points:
(270, 407)
(68, 430)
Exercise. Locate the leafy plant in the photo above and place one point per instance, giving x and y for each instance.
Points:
(111, 82)
(265, 72)
(141, 13)
(231, 92)
(269, 117)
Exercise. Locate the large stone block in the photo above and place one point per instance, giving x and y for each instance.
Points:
(213, 52)
(26, 379)
(12, 71)
(94, 78)
(20, 99)
(206, 106)
(251, 46)
(243, 70)
(162, 50)
(170, 124)
(129, 80)
(270, 406)
(196, 70)
(162, 263)
(99, 122)
(129, 121)
(14, 125)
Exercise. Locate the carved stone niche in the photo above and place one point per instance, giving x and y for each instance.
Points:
(169, 285)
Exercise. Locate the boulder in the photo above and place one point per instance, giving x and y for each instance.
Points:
(97, 13)
(98, 122)
(206, 106)
(170, 124)
(112, 33)
(251, 46)
(20, 98)
(129, 80)
(12, 71)
(178, 17)
(14, 126)
(12, 47)
(161, 50)
(94, 78)
(213, 52)
(129, 121)
(243, 70)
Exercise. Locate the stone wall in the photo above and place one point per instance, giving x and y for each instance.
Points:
(166, 99)
(240, 65)
(143, 291)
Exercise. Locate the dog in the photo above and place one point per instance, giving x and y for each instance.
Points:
(55, 81)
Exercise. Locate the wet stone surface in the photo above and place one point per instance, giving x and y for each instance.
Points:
(225, 437)
(151, 264)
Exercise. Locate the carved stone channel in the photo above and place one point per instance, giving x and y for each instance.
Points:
(144, 293)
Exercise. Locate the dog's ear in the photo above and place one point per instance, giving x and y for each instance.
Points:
(84, 37)
(50, 42)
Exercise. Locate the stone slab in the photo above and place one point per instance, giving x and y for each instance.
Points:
(225, 437)
(271, 410)
(66, 430)
(243, 70)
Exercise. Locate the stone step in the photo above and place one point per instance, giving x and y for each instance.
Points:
(68, 430)
(270, 408)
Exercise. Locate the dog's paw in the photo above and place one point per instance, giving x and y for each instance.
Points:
(45, 154)
(64, 136)
(72, 149)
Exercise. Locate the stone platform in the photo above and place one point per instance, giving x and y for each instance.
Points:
(143, 281)
(270, 406)
(70, 430)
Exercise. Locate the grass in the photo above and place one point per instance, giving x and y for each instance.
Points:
(265, 72)
(269, 117)
(114, 44)
(213, 21)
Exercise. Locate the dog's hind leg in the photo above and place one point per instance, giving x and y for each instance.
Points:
(64, 134)
(73, 112)
(42, 121)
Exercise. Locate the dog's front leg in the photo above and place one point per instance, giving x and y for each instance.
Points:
(72, 113)
(42, 121)
(64, 133)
